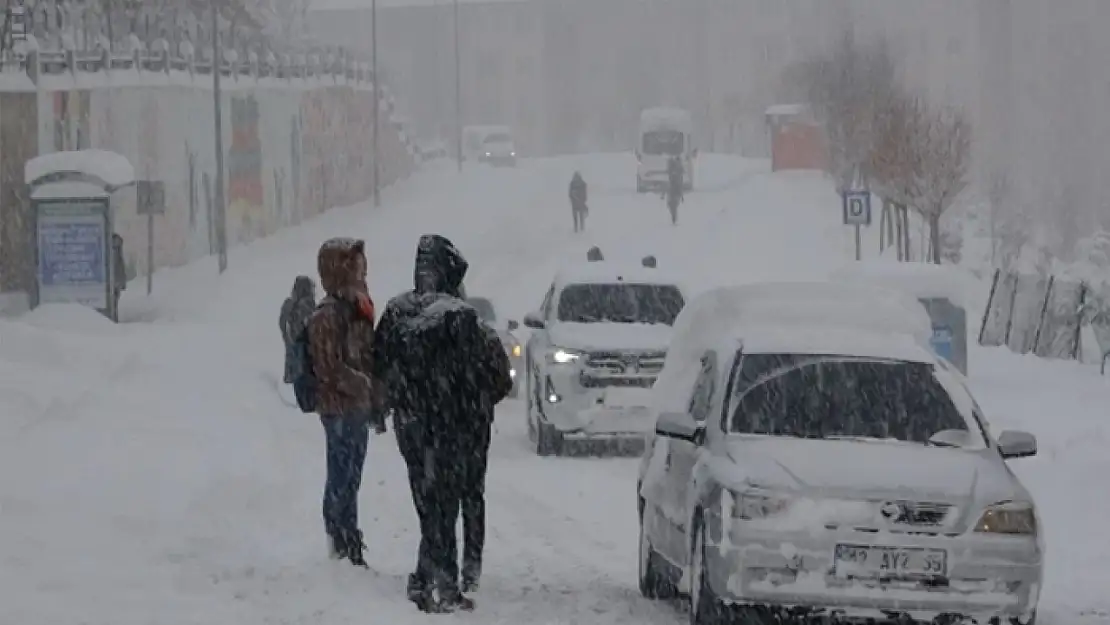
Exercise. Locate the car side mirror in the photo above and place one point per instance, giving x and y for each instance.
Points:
(1017, 444)
(532, 320)
(680, 425)
(513, 324)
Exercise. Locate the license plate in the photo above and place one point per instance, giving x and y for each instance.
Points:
(627, 398)
(867, 561)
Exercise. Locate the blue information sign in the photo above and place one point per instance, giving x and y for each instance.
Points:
(73, 246)
(942, 341)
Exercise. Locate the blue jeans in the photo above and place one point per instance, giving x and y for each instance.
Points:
(347, 439)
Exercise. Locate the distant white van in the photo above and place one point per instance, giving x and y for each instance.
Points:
(664, 132)
(489, 144)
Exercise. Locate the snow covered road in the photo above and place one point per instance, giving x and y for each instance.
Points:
(149, 473)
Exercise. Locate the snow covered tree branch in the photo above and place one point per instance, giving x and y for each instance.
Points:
(846, 88)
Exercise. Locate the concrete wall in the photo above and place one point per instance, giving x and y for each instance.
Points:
(293, 148)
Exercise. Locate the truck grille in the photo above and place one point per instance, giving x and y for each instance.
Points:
(627, 369)
(626, 363)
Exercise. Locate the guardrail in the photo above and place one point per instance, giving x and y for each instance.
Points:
(158, 58)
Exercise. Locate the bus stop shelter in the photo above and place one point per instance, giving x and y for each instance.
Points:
(72, 208)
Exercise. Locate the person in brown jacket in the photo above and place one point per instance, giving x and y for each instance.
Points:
(341, 338)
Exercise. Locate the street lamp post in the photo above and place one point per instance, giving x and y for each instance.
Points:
(377, 100)
(221, 205)
(458, 93)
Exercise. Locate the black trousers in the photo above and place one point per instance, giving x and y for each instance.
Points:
(578, 212)
(445, 479)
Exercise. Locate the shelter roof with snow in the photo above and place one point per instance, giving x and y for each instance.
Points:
(108, 169)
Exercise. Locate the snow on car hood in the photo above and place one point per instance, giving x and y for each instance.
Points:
(615, 336)
(837, 468)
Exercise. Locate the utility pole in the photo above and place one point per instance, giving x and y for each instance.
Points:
(221, 204)
(377, 100)
(458, 93)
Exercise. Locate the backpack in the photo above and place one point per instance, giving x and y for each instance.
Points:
(306, 387)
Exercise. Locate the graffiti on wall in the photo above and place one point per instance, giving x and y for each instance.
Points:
(191, 181)
(18, 142)
(336, 134)
(295, 168)
(327, 135)
(246, 202)
(71, 120)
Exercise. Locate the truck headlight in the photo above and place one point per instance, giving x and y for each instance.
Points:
(748, 506)
(562, 356)
(1008, 517)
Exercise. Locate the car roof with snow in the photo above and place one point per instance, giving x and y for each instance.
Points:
(825, 318)
(609, 272)
(920, 280)
(717, 314)
(829, 341)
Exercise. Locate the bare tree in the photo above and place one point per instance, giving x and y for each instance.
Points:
(846, 88)
(943, 145)
(921, 159)
(893, 163)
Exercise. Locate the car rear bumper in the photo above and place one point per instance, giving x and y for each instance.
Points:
(987, 577)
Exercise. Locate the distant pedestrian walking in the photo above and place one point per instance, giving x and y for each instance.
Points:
(578, 207)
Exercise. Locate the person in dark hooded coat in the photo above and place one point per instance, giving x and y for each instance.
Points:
(578, 207)
(442, 371)
(295, 312)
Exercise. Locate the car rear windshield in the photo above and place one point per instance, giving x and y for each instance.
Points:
(498, 137)
(620, 303)
(841, 397)
(663, 142)
(484, 308)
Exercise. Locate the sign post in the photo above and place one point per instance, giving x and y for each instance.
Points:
(857, 212)
(150, 200)
(74, 252)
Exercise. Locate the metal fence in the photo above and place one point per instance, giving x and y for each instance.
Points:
(1045, 316)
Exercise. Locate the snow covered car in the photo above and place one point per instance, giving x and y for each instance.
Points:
(512, 346)
(836, 471)
(599, 340)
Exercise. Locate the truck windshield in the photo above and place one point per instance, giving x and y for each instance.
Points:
(498, 137)
(620, 303)
(669, 142)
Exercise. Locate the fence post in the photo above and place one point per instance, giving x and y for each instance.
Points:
(1013, 300)
(1079, 320)
(990, 302)
(1044, 310)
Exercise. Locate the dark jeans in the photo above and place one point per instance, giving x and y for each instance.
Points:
(579, 219)
(442, 483)
(347, 439)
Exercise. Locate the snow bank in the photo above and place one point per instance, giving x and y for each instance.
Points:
(69, 318)
(919, 280)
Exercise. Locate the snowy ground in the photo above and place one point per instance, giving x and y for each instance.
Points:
(149, 473)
